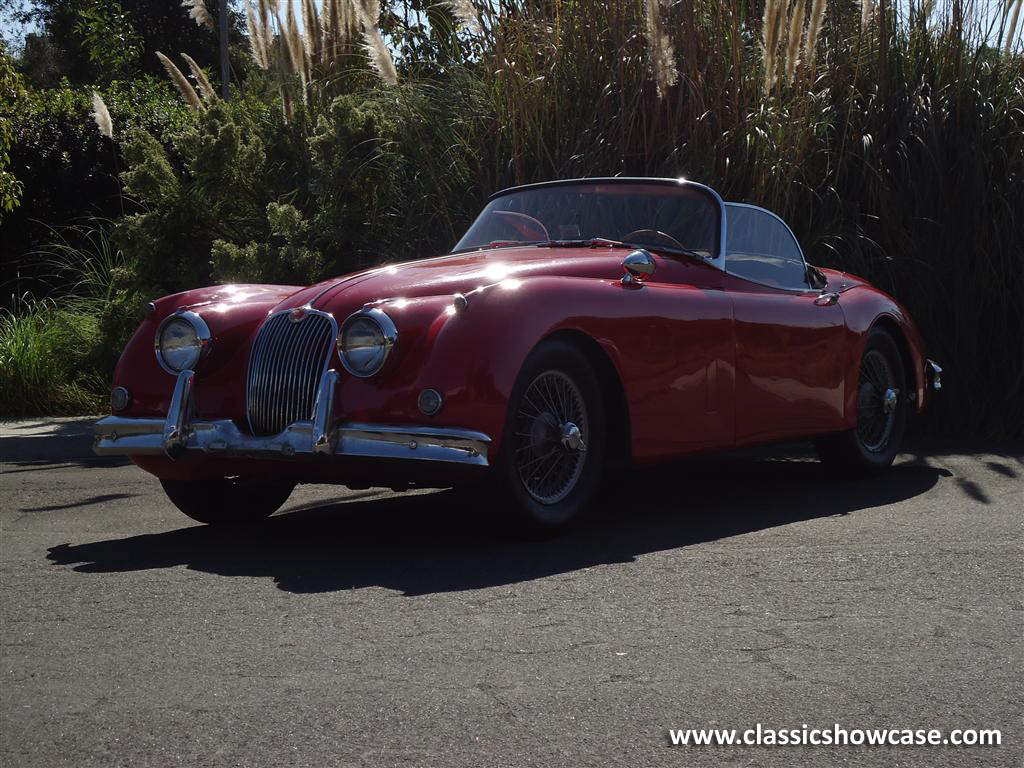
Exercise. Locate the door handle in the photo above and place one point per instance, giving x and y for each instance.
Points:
(827, 299)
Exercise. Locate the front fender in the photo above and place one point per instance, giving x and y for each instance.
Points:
(671, 346)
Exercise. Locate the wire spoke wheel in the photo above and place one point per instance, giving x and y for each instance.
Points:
(550, 433)
(877, 402)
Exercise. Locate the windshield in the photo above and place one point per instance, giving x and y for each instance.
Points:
(673, 216)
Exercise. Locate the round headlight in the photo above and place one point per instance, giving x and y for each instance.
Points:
(365, 342)
(181, 341)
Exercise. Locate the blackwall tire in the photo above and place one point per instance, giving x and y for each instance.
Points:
(228, 501)
(554, 450)
(873, 444)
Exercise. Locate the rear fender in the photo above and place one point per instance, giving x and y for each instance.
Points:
(865, 309)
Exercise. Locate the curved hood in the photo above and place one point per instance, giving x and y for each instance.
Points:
(457, 273)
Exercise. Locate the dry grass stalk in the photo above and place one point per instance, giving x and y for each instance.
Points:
(466, 13)
(349, 22)
(771, 26)
(331, 24)
(268, 12)
(205, 88)
(102, 116)
(867, 10)
(814, 26)
(376, 49)
(199, 14)
(257, 42)
(1014, 17)
(313, 30)
(296, 48)
(796, 30)
(180, 82)
(286, 103)
(662, 55)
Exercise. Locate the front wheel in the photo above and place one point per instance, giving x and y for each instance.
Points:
(228, 500)
(882, 402)
(554, 449)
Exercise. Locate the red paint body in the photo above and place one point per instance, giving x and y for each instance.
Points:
(706, 360)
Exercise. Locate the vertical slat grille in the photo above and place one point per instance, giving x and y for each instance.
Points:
(287, 360)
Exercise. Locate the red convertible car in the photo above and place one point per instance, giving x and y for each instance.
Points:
(577, 327)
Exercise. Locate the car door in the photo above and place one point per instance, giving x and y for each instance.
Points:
(789, 337)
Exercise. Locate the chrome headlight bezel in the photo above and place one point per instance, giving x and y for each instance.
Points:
(202, 343)
(388, 335)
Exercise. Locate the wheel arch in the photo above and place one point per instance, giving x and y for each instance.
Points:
(891, 326)
(611, 384)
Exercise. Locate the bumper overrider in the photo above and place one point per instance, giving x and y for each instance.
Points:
(179, 434)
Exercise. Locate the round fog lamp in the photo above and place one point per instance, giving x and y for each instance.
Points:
(119, 398)
(429, 402)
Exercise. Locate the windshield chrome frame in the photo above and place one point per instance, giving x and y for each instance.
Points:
(717, 261)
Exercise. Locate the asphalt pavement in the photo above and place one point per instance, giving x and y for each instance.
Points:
(369, 628)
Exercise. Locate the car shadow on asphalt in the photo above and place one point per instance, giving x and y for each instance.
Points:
(448, 541)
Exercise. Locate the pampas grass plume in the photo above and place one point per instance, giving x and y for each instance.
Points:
(257, 42)
(814, 31)
(197, 12)
(102, 116)
(373, 43)
(1014, 17)
(205, 87)
(465, 12)
(796, 30)
(662, 55)
(181, 82)
(771, 25)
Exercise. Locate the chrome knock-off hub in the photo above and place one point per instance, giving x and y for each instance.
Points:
(572, 438)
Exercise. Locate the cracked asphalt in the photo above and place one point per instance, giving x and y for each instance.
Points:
(368, 628)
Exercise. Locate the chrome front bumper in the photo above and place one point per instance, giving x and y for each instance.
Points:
(178, 434)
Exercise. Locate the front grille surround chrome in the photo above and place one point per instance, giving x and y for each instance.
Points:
(290, 354)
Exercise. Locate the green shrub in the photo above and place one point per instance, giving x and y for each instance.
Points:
(67, 170)
(44, 354)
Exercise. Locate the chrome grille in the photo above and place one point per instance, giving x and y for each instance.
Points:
(287, 360)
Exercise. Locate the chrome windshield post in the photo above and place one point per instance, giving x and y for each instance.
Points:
(323, 442)
(176, 426)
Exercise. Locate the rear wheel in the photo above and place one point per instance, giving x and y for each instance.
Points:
(881, 412)
(228, 500)
(554, 449)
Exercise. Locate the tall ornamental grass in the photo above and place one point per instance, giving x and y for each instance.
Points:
(889, 134)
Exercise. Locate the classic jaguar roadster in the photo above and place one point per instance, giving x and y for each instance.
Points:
(577, 327)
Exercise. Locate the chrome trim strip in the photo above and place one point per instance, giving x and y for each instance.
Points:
(118, 436)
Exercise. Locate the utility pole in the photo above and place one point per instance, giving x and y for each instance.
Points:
(225, 89)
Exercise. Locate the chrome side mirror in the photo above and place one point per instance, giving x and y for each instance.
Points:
(639, 265)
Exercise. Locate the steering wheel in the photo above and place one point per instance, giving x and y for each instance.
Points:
(524, 225)
(639, 234)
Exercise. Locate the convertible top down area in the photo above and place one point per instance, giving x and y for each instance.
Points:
(576, 326)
